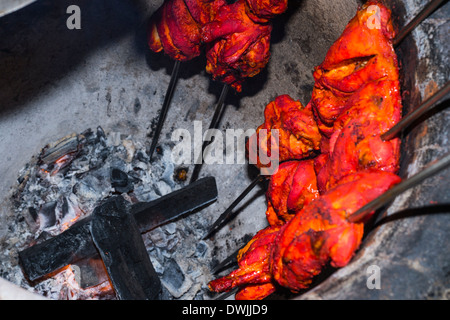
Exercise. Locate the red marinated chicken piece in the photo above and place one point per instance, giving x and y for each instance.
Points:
(239, 38)
(298, 134)
(356, 144)
(320, 233)
(291, 188)
(253, 261)
(356, 98)
(363, 53)
(176, 27)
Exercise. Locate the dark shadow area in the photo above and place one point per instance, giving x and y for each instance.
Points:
(414, 212)
(37, 49)
(159, 60)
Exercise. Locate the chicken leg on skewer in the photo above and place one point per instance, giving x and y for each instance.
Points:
(238, 43)
(238, 40)
(176, 28)
(302, 246)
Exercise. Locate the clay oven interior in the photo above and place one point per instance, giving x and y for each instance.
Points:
(55, 81)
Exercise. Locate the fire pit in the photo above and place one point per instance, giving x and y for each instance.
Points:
(101, 88)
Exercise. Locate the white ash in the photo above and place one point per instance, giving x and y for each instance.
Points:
(53, 194)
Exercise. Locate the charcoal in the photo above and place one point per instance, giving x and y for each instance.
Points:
(101, 136)
(120, 181)
(173, 274)
(68, 209)
(90, 137)
(91, 188)
(75, 243)
(118, 239)
(142, 156)
(78, 182)
(32, 219)
(201, 249)
(173, 277)
(64, 204)
(92, 272)
(47, 215)
(33, 213)
(65, 146)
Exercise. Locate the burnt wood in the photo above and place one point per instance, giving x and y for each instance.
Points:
(76, 243)
(118, 239)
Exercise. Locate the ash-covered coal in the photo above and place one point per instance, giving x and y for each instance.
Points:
(67, 180)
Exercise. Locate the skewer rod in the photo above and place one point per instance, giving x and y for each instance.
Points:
(220, 106)
(426, 11)
(389, 195)
(228, 212)
(410, 118)
(165, 107)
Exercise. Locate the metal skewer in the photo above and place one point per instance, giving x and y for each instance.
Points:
(165, 107)
(411, 117)
(220, 106)
(426, 11)
(430, 170)
(228, 213)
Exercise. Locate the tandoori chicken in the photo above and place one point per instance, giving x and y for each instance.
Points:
(356, 98)
(239, 40)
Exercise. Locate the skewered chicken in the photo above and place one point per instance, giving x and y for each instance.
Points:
(356, 166)
(291, 188)
(320, 232)
(298, 134)
(239, 40)
(355, 144)
(176, 27)
(293, 254)
(238, 35)
(253, 272)
(363, 53)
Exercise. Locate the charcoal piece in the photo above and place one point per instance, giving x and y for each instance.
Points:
(64, 207)
(32, 219)
(70, 246)
(67, 145)
(91, 188)
(76, 243)
(120, 181)
(92, 272)
(118, 239)
(201, 249)
(173, 275)
(118, 178)
(89, 137)
(47, 215)
(101, 136)
(142, 156)
(33, 213)
(167, 208)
